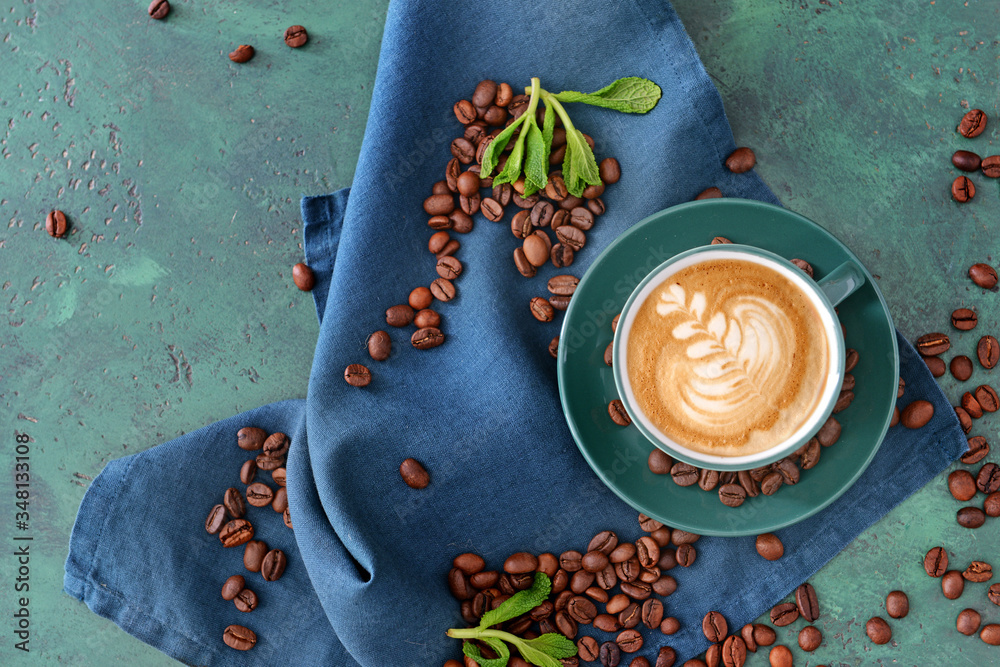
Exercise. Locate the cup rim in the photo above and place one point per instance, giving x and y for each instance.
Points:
(804, 432)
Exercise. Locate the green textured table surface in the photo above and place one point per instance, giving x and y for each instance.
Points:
(171, 305)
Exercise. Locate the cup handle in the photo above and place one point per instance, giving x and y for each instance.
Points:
(842, 282)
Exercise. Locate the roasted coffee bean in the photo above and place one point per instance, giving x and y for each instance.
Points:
(594, 561)
(569, 203)
(968, 621)
(524, 267)
(236, 533)
(447, 267)
(804, 265)
(991, 166)
(593, 191)
(605, 542)
(897, 604)
(714, 626)
(459, 586)
(684, 474)
(251, 438)
(993, 594)
(587, 649)
(414, 474)
(789, 471)
(542, 310)
(962, 485)
(581, 218)
(962, 189)
(746, 633)
(652, 613)
(609, 357)
(520, 225)
(158, 9)
(501, 194)
(242, 53)
(561, 255)
(686, 555)
(464, 152)
(234, 503)
(972, 124)
(670, 625)
(961, 368)
(971, 517)
(629, 641)
(648, 551)
(963, 418)
(581, 609)
(991, 506)
(248, 471)
(809, 454)
(469, 563)
(660, 463)
(666, 585)
(771, 483)
(236, 636)
(971, 405)
(616, 409)
(554, 347)
(608, 622)
(784, 614)
(523, 202)
(843, 401)
(597, 594)
(966, 160)
(486, 579)
(988, 479)
(708, 479)
(303, 277)
(936, 562)
(467, 183)
(987, 398)
(399, 316)
(936, 366)
(639, 662)
(637, 590)
(710, 193)
(628, 570)
(280, 501)
(964, 319)
(978, 572)
(259, 494)
(492, 210)
(536, 248)
(443, 289)
(470, 204)
(357, 375)
(296, 36)
(596, 206)
(983, 275)
(610, 654)
(379, 346)
(748, 483)
(609, 170)
(806, 601)
(541, 214)
(253, 555)
(741, 160)
(439, 204)
(878, 630)
(770, 547)
(679, 537)
(563, 284)
(571, 236)
(520, 563)
(286, 516)
(952, 584)
(245, 600)
(269, 463)
(933, 344)
(810, 638)
(732, 495)
(571, 561)
(917, 414)
(485, 93)
(495, 115)
(764, 635)
(465, 112)
(991, 634)
(566, 625)
(232, 586)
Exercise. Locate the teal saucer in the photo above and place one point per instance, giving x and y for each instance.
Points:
(618, 454)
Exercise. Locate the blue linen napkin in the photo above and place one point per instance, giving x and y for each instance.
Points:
(366, 580)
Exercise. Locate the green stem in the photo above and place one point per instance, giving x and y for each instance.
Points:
(551, 99)
(477, 633)
(536, 86)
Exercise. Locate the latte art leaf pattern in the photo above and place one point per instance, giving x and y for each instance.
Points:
(734, 355)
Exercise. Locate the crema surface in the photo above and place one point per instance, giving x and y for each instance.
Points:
(728, 357)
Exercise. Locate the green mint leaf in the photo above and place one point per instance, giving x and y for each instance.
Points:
(492, 154)
(579, 164)
(536, 162)
(548, 128)
(471, 650)
(521, 602)
(534, 655)
(630, 95)
(512, 170)
(553, 644)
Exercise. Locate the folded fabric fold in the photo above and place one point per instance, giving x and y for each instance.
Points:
(368, 557)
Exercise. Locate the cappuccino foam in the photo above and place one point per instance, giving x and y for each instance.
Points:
(728, 357)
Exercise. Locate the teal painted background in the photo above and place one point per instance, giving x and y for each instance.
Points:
(171, 305)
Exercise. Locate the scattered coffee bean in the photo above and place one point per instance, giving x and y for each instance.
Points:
(962, 189)
(541, 309)
(414, 474)
(978, 572)
(253, 555)
(961, 368)
(878, 630)
(933, 344)
(764, 635)
(236, 533)
(714, 626)
(971, 517)
(259, 494)
(234, 503)
(296, 36)
(158, 9)
(966, 160)
(686, 555)
(993, 594)
(618, 414)
(962, 485)
(952, 584)
(236, 636)
(968, 622)
(242, 54)
(732, 495)
(427, 319)
(987, 398)
(232, 586)
(988, 479)
(426, 338)
(357, 375)
(246, 600)
(978, 449)
(379, 346)
(804, 265)
(629, 641)
(972, 124)
(273, 565)
(983, 275)
(784, 613)
(276, 445)
(936, 366)
(780, 656)
(897, 604)
(399, 316)
(251, 438)
(659, 462)
(770, 547)
(587, 649)
(971, 405)
(248, 471)
(610, 654)
(991, 634)
(991, 166)
(963, 418)
(964, 319)
(917, 414)
(741, 160)
(216, 519)
(991, 506)
(810, 638)
(807, 602)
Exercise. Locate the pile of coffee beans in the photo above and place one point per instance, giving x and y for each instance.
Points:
(228, 520)
(962, 188)
(734, 487)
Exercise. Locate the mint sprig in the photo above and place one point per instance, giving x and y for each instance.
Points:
(544, 651)
(530, 153)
